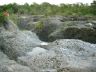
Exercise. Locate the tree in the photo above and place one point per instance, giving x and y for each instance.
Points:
(15, 7)
(93, 7)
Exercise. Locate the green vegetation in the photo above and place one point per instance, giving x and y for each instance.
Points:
(39, 25)
(2, 19)
(93, 7)
(51, 9)
(14, 18)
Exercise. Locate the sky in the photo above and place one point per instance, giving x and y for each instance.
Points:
(40, 1)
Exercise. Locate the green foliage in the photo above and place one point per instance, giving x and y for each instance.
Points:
(14, 18)
(39, 25)
(2, 19)
(51, 9)
(93, 7)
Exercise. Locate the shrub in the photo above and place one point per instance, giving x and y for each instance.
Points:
(14, 18)
(39, 25)
(2, 19)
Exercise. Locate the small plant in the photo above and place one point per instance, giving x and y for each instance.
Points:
(39, 25)
(2, 18)
(14, 18)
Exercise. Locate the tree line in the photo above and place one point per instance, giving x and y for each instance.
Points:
(51, 9)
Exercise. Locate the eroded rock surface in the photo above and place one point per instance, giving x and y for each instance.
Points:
(15, 44)
(82, 30)
(22, 51)
(63, 56)
(62, 27)
(7, 65)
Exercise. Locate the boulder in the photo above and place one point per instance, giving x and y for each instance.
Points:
(75, 30)
(27, 22)
(10, 26)
(80, 56)
(50, 24)
(7, 65)
(12, 66)
(39, 60)
(17, 43)
(60, 27)
(66, 55)
(82, 28)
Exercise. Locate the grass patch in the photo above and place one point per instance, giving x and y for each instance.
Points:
(39, 25)
(14, 18)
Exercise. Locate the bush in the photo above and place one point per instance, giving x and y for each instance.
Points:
(39, 25)
(2, 19)
(14, 18)
(93, 7)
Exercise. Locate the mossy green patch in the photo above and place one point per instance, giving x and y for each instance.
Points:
(39, 25)
(14, 18)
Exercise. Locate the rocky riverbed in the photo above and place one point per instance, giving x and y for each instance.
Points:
(60, 27)
(24, 51)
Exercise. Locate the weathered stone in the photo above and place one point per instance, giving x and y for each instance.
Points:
(63, 56)
(7, 65)
(75, 30)
(16, 44)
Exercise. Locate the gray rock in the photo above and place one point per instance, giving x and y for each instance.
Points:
(94, 24)
(10, 26)
(3, 57)
(12, 66)
(53, 30)
(79, 56)
(39, 61)
(50, 25)
(67, 55)
(27, 22)
(18, 43)
(7, 65)
(75, 30)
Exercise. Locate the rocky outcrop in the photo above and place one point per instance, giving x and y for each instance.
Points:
(62, 27)
(75, 30)
(49, 25)
(15, 44)
(7, 65)
(27, 22)
(62, 56)
(77, 18)
(22, 51)
(30, 22)
(10, 26)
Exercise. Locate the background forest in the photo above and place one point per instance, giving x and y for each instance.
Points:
(51, 9)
